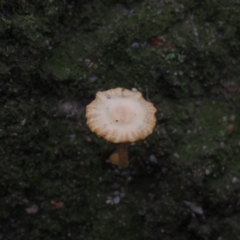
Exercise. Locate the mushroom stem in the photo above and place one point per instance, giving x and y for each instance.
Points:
(123, 154)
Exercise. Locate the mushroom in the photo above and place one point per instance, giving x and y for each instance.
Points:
(121, 116)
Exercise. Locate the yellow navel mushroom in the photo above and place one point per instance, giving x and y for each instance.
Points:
(121, 116)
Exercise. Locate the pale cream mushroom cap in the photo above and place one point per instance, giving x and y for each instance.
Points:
(120, 116)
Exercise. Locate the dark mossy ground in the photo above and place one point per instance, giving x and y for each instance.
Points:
(183, 182)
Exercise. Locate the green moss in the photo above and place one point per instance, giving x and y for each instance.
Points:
(183, 56)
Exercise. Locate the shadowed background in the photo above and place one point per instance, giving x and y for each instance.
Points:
(182, 181)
